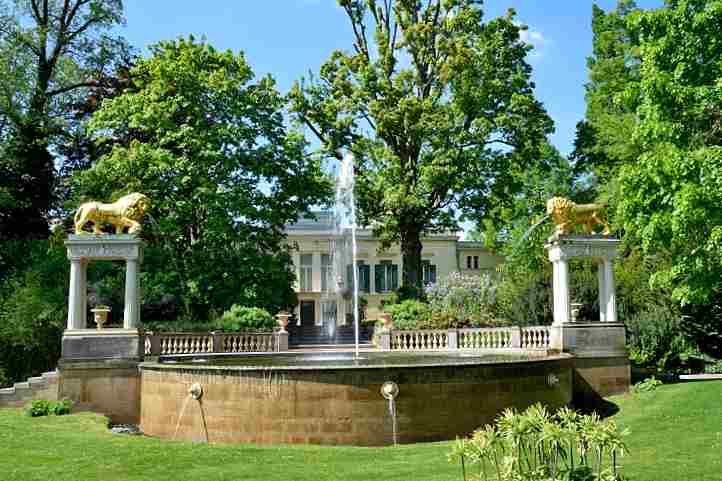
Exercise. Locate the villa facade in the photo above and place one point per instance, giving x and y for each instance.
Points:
(321, 257)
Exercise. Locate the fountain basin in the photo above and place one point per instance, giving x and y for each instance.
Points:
(332, 399)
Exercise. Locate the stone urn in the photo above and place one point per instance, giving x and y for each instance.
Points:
(386, 320)
(100, 315)
(282, 320)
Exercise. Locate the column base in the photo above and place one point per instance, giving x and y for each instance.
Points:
(601, 361)
(102, 344)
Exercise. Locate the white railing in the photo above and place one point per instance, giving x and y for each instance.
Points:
(169, 343)
(426, 340)
(535, 337)
(527, 338)
(248, 342)
(493, 338)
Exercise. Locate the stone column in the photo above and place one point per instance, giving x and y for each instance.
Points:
(602, 291)
(561, 291)
(75, 298)
(611, 297)
(84, 294)
(130, 314)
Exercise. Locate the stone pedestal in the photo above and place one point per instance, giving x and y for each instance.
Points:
(99, 368)
(601, 364)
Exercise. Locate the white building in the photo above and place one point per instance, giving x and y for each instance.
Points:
(321, 256)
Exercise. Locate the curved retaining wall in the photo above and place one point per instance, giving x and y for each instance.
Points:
(342, 405)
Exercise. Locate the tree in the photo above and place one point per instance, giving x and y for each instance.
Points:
(670, 197)
(439, 110)
(603, 141)
(209, 146)
(50, 52)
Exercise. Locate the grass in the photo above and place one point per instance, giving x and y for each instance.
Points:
(676, 435)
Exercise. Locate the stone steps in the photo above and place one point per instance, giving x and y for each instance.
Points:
(44, 386)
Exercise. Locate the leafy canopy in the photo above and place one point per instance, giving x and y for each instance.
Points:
(670, 197)
(209, 147)
(438, 108)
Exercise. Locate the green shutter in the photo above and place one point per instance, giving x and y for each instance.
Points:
(349, 276)
(432, 274)
(379, 277)
(394, 277)
(365, 277)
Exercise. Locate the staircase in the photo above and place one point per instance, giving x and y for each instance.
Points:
(44, 386)
(319, 335)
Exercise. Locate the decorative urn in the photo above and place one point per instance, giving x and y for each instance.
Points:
(386, 320)
(100, 315)
(282, 319)
(576, 309)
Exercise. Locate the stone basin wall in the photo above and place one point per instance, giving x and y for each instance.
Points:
(343, 405)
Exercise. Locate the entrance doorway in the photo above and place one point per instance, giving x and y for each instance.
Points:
(308, 313)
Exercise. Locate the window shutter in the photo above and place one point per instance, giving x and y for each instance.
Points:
(365, 277)
(379, 278)
(432, 273)
(349, 276)
(394, 281)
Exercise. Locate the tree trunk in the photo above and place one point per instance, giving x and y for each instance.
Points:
(411, 259)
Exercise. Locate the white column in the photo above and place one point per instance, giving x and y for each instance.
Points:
(561, 291)
(84, 294)
(75, 297)
(611, 304)
(130, 315)
(316, 271)
(602, 291)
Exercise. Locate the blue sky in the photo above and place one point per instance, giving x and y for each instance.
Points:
(287, 38)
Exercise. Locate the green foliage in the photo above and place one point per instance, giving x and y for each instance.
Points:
(50, 53)
(208, 145)
(242, 319)
(439, 109)
(458, 300)
(42, 407)
(33, 312)
(537, 446)
(648, 385)
(409, 314)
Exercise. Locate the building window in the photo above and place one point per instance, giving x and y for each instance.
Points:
(305, 275)
(386, 276)
(364, 276)
(429, 272)
(476, 262)
(468, 262)
(326, 273)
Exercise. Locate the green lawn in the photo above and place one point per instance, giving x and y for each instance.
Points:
(676, 436)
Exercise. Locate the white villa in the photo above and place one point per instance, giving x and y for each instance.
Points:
(323, 268)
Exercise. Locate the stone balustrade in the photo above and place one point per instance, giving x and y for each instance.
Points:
(526, 338)
(168, 343)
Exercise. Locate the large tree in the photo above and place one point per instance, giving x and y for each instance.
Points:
(438, 108)
(208, 144)
(670, 197)
(51, 52)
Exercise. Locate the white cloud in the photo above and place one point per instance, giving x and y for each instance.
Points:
(537, 40)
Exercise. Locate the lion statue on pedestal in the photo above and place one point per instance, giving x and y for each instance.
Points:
(127, 211)
(566, 214)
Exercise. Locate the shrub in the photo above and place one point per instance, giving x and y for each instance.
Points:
(240, 319)
(409, 314)
(37, 407)
(537, 446)
(648, 385)
(43, 407)
(459, 300)
(657, 341)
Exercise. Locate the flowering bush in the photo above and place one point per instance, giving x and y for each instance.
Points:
(459, 300)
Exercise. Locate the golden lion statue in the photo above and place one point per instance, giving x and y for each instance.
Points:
(566, 214)
(127, 211)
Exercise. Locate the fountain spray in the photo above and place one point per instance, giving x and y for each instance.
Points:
(347, 182)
